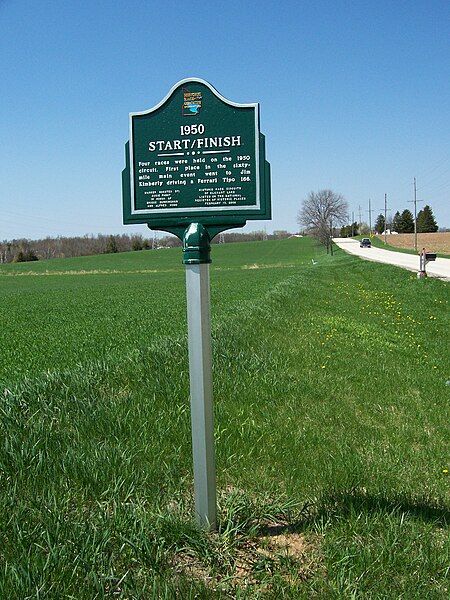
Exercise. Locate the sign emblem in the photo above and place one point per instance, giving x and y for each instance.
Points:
(192, 103)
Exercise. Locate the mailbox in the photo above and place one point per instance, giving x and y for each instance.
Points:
(424, 258)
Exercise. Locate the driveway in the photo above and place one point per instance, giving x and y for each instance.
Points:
(440, 268)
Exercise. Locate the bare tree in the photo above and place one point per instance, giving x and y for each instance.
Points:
(320, 212)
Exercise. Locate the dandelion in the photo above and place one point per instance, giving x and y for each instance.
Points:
(323, 367)
(445, 471)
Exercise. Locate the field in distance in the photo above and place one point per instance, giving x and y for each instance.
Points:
(61, 312)
(331, 429)
(432, 242)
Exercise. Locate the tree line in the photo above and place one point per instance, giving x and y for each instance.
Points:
(323, 212)
(24, 250)
(404, 222)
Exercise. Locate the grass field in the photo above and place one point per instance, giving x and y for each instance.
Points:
(97, 307)
(332, 420)
(404, 242)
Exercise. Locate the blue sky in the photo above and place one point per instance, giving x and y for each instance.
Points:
(355, 96)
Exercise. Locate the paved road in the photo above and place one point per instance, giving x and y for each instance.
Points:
(440, 268)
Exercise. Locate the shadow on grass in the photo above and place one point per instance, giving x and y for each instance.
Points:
(336, 249)
(344, 505)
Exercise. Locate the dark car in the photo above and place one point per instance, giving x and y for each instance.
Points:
(365, 243)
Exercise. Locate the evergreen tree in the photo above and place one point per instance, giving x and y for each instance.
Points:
(137, 243)
(407, 221)
(346, 231)
(355, 228)
(396, 223)
(420, 222)
(426, 223)
(20, 256)
(30, 255)
(379, 224)
(111, 245)
(25, 255)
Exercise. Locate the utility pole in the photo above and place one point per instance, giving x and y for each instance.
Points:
(331, 237)
(415, 215)
(415, 201)
(370, 219)
(360, 221)
(385, 218)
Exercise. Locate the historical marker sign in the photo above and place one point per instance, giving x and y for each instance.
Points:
(196, 156)
(195, 166)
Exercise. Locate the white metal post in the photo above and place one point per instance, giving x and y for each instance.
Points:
(202, 414)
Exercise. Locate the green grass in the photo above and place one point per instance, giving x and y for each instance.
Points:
(99, 306)
(332, 419)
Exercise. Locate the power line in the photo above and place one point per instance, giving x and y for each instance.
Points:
(38, 217)
(431, 182)
(435, 188)
(427, 172)
(430, 172)
(434, 196)
(33, 227)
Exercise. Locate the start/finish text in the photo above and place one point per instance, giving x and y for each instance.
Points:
(195, 143)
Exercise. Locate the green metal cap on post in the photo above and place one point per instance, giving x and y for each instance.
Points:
(196, 245)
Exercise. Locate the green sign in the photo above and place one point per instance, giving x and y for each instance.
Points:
(195, 157)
